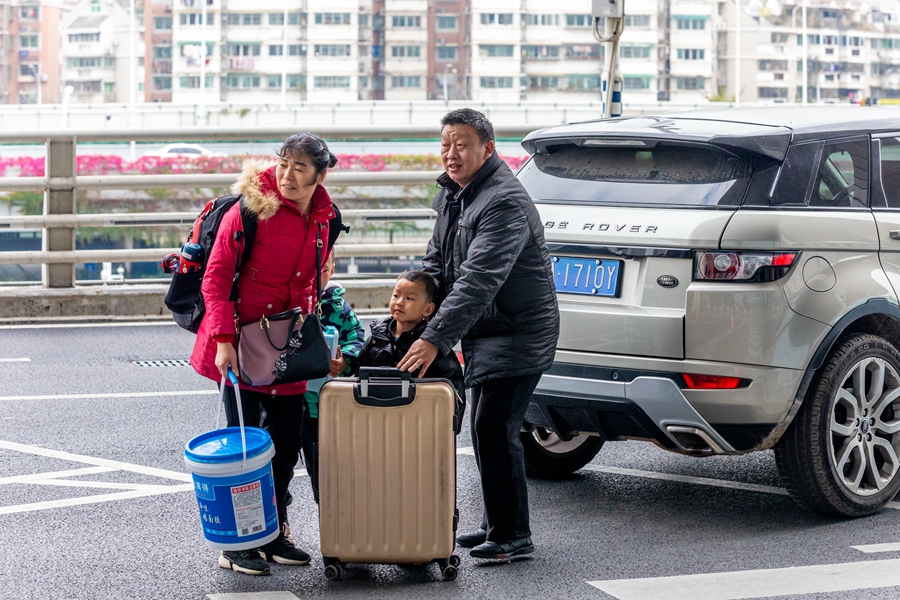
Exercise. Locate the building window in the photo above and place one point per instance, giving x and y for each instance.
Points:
(332, 50)
(636, 83)
(447, 23)
(582, 83)
(84, 62)
(689, 23)
(496, 82)
(28, 69)
(76, 38)
(779, 38)
(293, 50)
(584, 52)
(110, 61)
(496, 19)
(410, 81)
(538, 20)
(579, 21)
(162, 51)
(630, 51)
(495, 50)
(273, 81)
(195, 19)
(191, 82)
(109, 87)
(332, 18)
(772, 92)
(28, 41)
(540, 83)
(162, 83)
(406, 21)
(405, 51)
(240, 82)
(29, 13)
(329, 81)
(637, 20)
(159, 24)
(446, 53)
(294, 82)
(245, 18)
(689, 83)
(691, 54)
(242, 50)
(541, 52)
(774, 65)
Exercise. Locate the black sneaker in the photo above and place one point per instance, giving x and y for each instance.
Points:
(244, 561)
(503, 550)
(282, 549)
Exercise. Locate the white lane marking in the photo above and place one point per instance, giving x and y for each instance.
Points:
(104, 396)
(470, 450)
(734, 485)
(15, 360)
(90, 460)
(253, 596)
(735, 585)
(104, 485)
(87, 325)
(870, 548)
(155, 491)
(55, 474)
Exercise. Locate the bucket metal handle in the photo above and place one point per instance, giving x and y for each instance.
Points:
(237, 394)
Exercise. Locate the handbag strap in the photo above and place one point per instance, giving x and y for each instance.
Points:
(318, 305)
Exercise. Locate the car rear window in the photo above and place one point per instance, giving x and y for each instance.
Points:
(666, 174)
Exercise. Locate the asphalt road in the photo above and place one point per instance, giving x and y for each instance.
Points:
(119, 528)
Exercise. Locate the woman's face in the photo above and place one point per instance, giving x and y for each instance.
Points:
(297, 178)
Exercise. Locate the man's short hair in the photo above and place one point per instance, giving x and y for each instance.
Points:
(472, 118)
(427, 281)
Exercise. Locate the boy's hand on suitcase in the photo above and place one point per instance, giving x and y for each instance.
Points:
(339, 364)
(420, 356)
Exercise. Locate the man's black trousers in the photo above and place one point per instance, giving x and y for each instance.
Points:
(498, 409)
(281, 416)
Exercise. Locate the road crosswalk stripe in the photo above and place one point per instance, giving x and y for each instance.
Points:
(760, 583)
(15, 360)
(151, 491)
(723, 483)
(254, 596)
(870, 548)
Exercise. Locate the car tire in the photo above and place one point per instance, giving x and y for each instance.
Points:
(549, 456)
(838, 456)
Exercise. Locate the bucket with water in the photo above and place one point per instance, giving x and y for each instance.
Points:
(232, 471)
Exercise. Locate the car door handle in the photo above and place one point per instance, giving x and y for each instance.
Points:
(895, 234)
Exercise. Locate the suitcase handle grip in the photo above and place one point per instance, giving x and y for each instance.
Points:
(377, 387)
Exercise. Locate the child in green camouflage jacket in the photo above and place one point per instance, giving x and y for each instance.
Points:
(351, 336)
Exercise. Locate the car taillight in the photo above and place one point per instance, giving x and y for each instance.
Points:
(710, 382)
(742, 266)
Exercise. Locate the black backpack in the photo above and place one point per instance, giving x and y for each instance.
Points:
(184, 298)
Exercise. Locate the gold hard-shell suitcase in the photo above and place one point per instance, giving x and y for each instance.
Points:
(387, 471)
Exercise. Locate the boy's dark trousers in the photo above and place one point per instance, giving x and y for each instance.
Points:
(498, 409)
(281, 416)
(309, 436)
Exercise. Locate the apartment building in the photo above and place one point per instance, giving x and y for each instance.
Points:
(158, 44)
(96, 51)
(852, 51)
(29, 60)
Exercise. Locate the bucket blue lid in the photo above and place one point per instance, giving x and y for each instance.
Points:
(224, 445)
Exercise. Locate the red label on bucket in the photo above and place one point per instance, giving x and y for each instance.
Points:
(248, 508)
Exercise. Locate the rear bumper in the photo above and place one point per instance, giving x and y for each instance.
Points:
(617, 404)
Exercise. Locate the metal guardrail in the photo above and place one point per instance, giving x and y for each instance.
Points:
(60, 219)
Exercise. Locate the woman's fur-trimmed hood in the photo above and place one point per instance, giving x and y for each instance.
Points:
(257, 184)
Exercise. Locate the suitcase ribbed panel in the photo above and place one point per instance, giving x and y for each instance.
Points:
(387, 476)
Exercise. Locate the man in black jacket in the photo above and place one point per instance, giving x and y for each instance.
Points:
(489, 257)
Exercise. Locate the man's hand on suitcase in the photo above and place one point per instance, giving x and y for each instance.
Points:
(420, 356)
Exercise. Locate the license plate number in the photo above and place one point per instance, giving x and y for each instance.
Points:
(590, 276)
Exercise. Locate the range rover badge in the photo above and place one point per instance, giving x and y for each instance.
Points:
(667, 281)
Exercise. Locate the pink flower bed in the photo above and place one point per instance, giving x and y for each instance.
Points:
(25, 166)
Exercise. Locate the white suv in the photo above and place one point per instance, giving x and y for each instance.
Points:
(727, 283)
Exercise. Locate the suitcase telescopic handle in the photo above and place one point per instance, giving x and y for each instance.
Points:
(384, 376)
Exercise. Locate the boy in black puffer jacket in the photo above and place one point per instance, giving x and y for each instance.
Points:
(412, 302)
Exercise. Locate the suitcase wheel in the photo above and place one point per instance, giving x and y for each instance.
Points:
(454, 561)
(449, 573)
(333, 572)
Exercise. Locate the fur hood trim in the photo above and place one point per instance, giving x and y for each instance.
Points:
(260, 196)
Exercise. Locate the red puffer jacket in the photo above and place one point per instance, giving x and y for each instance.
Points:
(278, 275)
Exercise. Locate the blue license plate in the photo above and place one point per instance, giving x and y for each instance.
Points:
(590, 276)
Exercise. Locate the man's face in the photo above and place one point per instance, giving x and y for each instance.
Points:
(462, 153)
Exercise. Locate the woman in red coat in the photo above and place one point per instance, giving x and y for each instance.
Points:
(280, 274)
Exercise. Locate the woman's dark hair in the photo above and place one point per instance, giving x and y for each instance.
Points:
(427, 281)
(312, 146)
(472, 118)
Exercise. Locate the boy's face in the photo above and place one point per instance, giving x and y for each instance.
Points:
(409, 303)
(327, 270)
